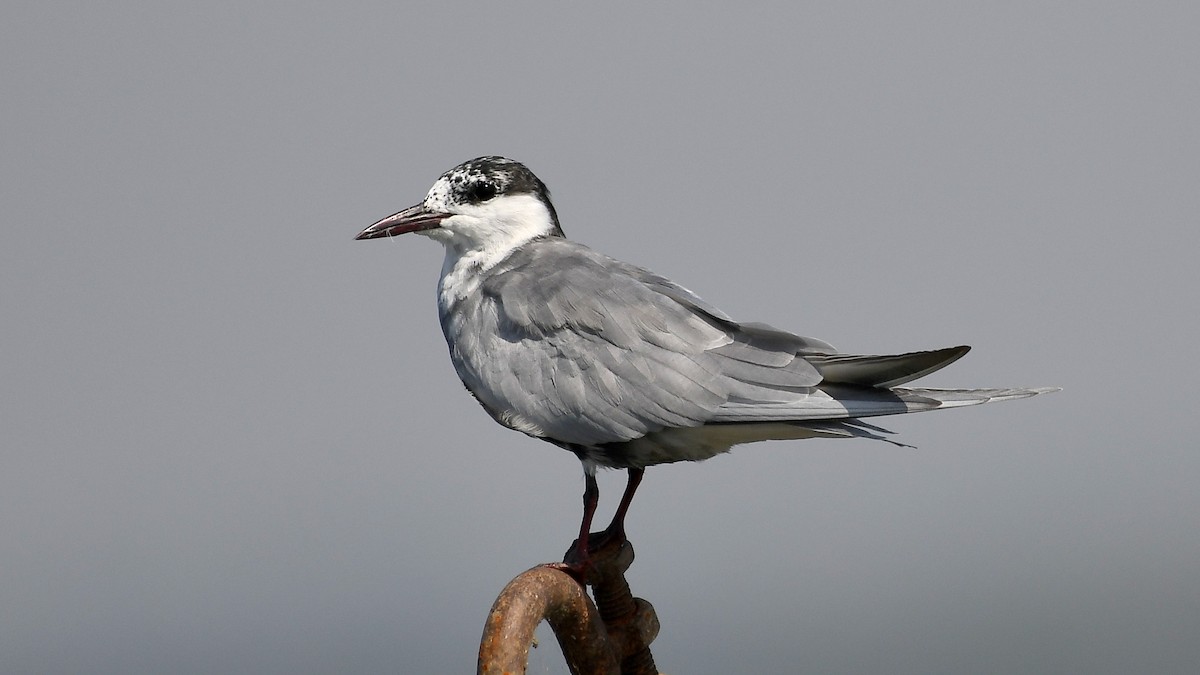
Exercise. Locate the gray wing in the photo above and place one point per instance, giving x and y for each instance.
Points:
(764, 335)
(565, 344)
(581, 349)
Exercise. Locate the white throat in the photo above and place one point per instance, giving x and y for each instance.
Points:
(477, 237)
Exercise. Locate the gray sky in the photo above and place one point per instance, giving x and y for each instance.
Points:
(233, 442)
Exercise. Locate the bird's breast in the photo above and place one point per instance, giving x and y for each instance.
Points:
(461, 278)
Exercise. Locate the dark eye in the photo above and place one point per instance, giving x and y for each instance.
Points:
(481, 191)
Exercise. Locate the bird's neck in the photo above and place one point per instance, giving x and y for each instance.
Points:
(476, 245)
(462, 273)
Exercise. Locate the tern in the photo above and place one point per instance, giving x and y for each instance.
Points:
(621, 366)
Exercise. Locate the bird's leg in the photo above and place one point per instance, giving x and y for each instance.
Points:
(613, 536)
(591, 498)
(576, 561)
(616, 529)
(578, 558)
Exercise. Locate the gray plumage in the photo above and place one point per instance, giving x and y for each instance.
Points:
(568, 345)
(622, 366)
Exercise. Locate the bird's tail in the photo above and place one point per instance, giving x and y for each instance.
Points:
(953, 398)
(871, 402)
(913, 400)
(833, 411)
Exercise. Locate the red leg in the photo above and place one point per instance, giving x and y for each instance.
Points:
(591, 498)
(616, 529)
(578, 558)
(576, 561)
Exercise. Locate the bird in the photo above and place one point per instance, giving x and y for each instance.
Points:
(625, 368)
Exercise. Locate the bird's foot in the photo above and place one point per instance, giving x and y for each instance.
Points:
(600, 548)
(573, 570)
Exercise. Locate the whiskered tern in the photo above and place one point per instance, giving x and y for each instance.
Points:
(625, 368)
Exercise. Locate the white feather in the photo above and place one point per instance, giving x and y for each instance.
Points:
(477, 236)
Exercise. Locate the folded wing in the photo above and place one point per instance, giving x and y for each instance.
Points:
(577, 348)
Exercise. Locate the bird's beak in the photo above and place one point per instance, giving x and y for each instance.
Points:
(412, 219)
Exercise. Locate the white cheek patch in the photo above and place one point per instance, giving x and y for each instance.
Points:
(482, 235)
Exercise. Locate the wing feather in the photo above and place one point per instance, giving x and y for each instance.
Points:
(565, 344)
(884, 371)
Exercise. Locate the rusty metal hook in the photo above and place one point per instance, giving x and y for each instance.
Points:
(610, 637)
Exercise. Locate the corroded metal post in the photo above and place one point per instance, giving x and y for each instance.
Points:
(610, 637)
(550, 594)
(631, 622)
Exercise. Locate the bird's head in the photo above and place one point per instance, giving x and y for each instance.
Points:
(488, 203)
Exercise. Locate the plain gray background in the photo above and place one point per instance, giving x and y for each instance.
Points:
(233, 442)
